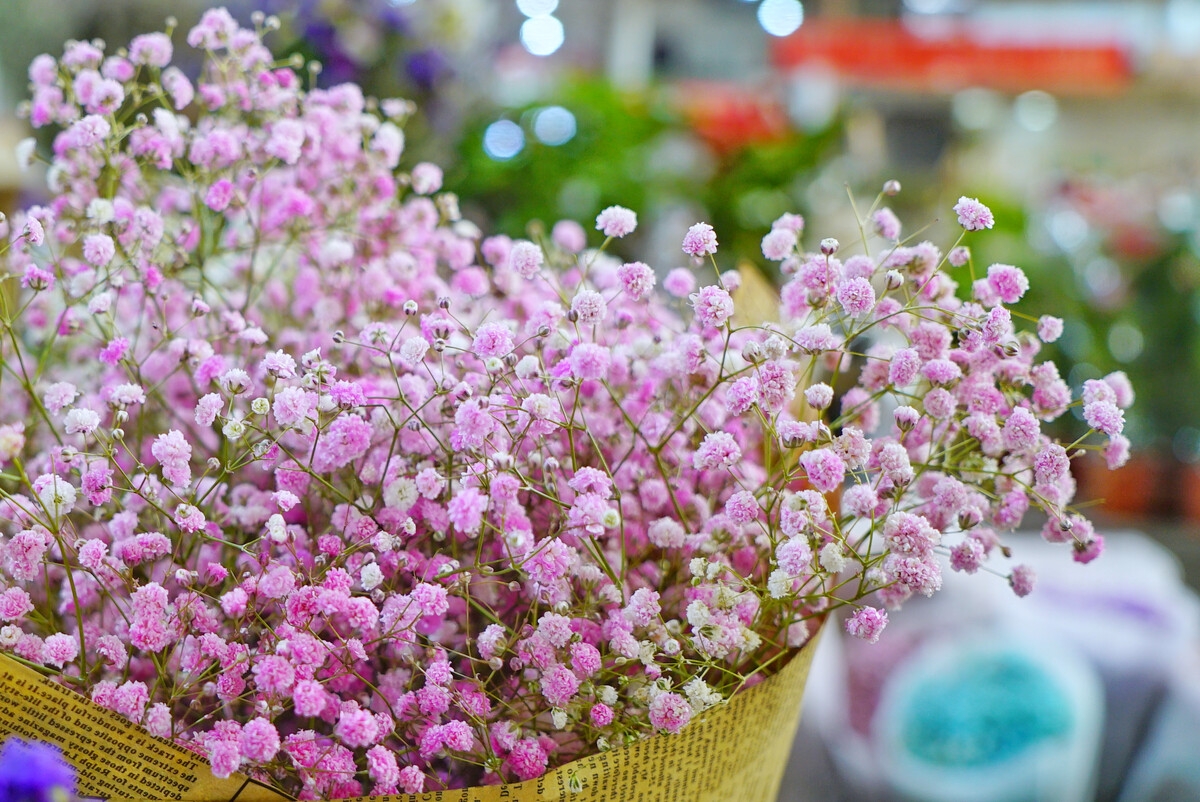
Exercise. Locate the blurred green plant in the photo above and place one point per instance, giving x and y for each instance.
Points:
(636, 150)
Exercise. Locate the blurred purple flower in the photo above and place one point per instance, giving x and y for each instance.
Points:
(34, 772)
(426, 67)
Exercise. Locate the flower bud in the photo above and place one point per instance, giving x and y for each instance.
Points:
(443, 302)
(410, 307)
(829, 246)
(891, 187)
(895, 280)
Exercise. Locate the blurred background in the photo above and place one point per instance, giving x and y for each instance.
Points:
(1075, 121)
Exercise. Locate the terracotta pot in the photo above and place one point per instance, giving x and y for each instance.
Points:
(1136, 489)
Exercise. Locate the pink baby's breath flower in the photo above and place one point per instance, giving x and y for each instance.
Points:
(98, 249)
(559, 685)
(1121, 387)
(527, 759)
(492, 339)
(941, 371)
(794, 556)
(887, 225)
(526, 258)
(81, 421)
(178, 87)
(904, 367)
(940, 403)
(412, 779)
(59, 395)
(173, 452)
(207, 409)
(116, 349)
(779, 244)
(589, 307)
(700, 240)
(152, 49)
(973, 215)
(383, 769)
(680, 282)
(637, 278)
(189, 518)
(14, 605)
(1022, 580)
(1051, 464)
(308, 697)
(357, 727)
(1089, 548)
(601, 715)
(616, 221)
(643, 607)
(713, 306)
(719, 450)
(426, 178)
(466, 510)
(958, 256)
(857, 297)
(790, 222)
(1008, 282)
(867, 624)
(34, 234)
(259, 740)
(219, 195)
(967, 556)
(670, 712)
(824, 468)
(1116, 451)
(37, 279)
(1049, 328)
(590, 361)
(569, 235)
(1105, 417)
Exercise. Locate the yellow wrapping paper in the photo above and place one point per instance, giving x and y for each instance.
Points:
(735, 751)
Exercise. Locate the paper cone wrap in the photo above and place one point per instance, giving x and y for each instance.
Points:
(734, 751)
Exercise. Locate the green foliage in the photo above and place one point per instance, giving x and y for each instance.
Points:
(633, 150)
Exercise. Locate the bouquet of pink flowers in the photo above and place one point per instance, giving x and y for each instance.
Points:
(301, 471)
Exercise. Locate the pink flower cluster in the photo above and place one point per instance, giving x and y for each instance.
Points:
(310, 476)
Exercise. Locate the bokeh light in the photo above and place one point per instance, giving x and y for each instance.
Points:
(554, 125)
(1035, 110)
(503, 139)
(541, 36)
(537, 8)
(780, 17)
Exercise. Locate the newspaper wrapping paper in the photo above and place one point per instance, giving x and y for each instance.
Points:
(736, 750)
(114, 759)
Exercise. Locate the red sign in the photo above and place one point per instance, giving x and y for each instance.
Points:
(888, 54)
